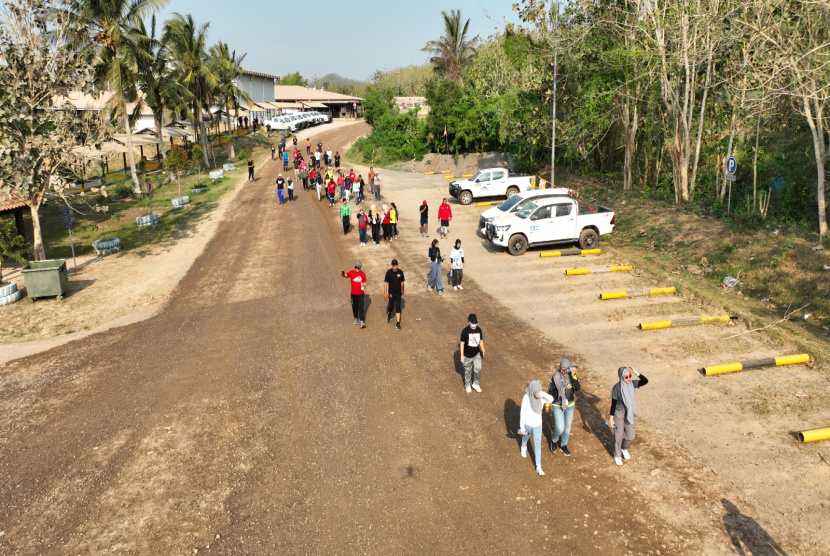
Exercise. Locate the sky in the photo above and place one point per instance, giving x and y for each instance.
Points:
(353, 39)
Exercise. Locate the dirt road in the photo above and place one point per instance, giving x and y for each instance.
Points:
(251, 417)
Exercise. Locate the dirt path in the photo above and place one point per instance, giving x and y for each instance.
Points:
(251, 417)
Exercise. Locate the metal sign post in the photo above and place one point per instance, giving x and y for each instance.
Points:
(731, 169)
(68, 218)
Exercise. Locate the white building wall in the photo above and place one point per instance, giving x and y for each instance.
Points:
(260, 89)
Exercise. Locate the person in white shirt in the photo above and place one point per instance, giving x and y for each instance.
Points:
(530, 420)
(457, 259)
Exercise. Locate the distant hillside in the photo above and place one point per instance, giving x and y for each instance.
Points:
(338, 83)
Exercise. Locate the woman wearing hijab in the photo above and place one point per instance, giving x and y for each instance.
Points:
(434, 279)
(387, 227)
(457, 260)
(563, 384)
(624, 410)
(393, 220)
(362, 225)
(374, 222)
(530, 420)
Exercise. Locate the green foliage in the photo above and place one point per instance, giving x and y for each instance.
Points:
(293, 79)
(394, 136)
(244, 154)
(12, 246)
(122, 189)
(196, 153)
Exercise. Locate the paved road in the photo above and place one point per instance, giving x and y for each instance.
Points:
(251, 417)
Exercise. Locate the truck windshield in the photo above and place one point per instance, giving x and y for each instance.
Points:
(509, 203)
(527, 210)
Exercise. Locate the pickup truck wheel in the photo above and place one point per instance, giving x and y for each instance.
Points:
(517, 245)
(588, 239)
(512, 190)
(465, 198)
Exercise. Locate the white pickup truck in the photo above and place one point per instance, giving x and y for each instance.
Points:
(558, 219)
(492, 182)
(517, 203)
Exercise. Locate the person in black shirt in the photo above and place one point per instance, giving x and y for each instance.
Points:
(624, 410)
(471, 347)
(424, 210)
(393, 287)
(250, 169)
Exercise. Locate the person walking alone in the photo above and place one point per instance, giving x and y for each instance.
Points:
(444, 217)
(457, 261)
(273, 152)
(563, 385)
(471, 348)
(345, 215)
(424, 213)
(624, 410)
(530, 420)
(358, 281)
(434, 278)
(393, 288)
(250, 169)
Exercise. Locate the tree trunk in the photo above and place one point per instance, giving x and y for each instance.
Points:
(755, 165)
(631, 122)
(160, 138)
(814, 120)
(706, 86)
(136, 183)
(38, 252)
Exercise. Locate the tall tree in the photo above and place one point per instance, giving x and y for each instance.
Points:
(227, 67)
(108, 40)
(160, 85)
(42, 143)
(453, 49)
(186, 43)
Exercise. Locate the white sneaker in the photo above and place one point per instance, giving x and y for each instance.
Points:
(618, 461)
(468, 389)
(477, 388)
(539, 470)
(440, 292)
(429, 288)
(626, 455)
(460, 287)
(524, 451)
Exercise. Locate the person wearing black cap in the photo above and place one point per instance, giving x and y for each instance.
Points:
(471, 347)
(393, 287)
(358, 281)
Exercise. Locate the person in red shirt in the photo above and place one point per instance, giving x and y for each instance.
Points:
(352, 176)
(341, 184)
(358, 281)
(444, 215)
(331, 193)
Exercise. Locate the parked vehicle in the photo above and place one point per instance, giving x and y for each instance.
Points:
(492, 182)
(558, 219)
(517, 202)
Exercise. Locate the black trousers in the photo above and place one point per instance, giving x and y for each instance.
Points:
(357, 307)
(394, 304)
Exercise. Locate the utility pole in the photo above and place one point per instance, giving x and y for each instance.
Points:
(555, 71)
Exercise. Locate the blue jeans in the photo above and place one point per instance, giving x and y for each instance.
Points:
(537, 441)
(434, 279)
(279, 195)
(362, 232)
(562, 419)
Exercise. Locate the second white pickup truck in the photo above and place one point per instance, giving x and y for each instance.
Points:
(492, 182)
(558, 219)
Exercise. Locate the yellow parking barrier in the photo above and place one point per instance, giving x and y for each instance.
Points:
(467, 175)
(598, 270)
(449, 177)
(446, 171)
(636, 293)
(488, 203)
(814, 434)
(757, 364)
(428, 173)
(688, 321)
(569, 252)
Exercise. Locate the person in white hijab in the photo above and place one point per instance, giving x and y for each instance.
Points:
(624, 410)
(530, 420)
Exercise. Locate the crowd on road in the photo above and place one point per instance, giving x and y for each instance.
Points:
(323, 174)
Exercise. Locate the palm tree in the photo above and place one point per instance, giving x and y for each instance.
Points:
(453, 49)
(107, 42)
(186, 44)
(162, 90)
(227, 68)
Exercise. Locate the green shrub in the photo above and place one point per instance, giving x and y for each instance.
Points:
(244, 154)
(122, 189)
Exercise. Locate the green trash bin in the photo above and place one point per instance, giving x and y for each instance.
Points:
(46, 278)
